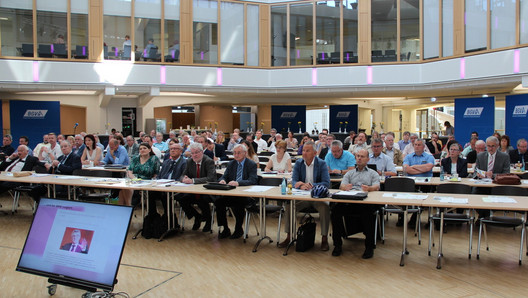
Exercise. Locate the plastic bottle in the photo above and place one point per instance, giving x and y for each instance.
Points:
(441, 173)
(283, 186)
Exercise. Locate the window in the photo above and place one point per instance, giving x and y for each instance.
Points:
(431, 29)
(205, 31)
(252, 35)
(523, 21)
(476, 25)
(327, 32)
(16, 27)
(147, 30)
(301, 34)
(52, 29)
(232, 33)
(350, 31)
(409, 31)
(279, 36)
(172, 31)
(502, 23)
(117, 29)
(447, 28)
(384, 30)
(79, 29)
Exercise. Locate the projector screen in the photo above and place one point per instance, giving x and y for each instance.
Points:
(77, 243)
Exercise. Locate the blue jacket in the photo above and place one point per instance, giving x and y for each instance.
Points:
(320, 174)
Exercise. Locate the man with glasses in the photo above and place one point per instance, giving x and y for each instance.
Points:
(391, 151)
(521, 154)
(384, 164)
(493, 161)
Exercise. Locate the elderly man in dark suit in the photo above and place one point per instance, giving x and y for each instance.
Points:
(199, 169)
(66, 163)
(18, 162)
(132, 147)
(239, 172)
(172, 168)
(218, 150)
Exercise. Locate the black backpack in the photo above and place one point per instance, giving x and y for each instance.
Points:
(154, 225)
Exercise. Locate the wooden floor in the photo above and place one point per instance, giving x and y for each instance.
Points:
(196, 264)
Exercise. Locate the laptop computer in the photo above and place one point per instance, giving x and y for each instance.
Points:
(218, 186)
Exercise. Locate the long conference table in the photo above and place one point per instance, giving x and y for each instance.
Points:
(519, 203)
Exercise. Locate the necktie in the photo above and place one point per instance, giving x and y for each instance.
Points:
(197, 170)
(72, 248)
(491, 163)
(239, 172)
(10, 168)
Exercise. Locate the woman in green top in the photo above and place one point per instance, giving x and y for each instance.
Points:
(143, 166)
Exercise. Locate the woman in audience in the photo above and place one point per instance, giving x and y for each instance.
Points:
(92, 153)
(291, 141)
(251, 152)
(505, 145)
(454, 164)
(374, 135)
(143, 166)
(220, 138)
(280, 161)
(71, 140)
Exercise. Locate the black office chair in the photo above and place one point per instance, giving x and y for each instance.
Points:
(174, 56)
(254, 209)
(27, 50)
(44, 50)
(266, 153)
(390, 55)
(97, 195)
(400, 184)
(323, 58)
(335, 57)
(263, 158)
(468, 217)
(504, 221)
(59, 50)
(81, 52)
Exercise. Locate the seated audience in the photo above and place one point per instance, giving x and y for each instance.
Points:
(250, 152)
(309, 171)
(454, 164)
(338, 160)
(66, 163)
(521, 154)
(92, 153)
(391, 151)
(384, 164)
(143, 166)
(280, 161)
(239, 172)
(362, 179)
(116, 154)
(132, 147)
(291, 141)
(505, 146)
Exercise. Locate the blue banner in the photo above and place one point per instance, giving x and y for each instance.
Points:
(344, 118)
(516, 117)
(33, 119)
(284, 118)
(474, 114)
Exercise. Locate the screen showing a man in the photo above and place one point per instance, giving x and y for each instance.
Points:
(75, 241)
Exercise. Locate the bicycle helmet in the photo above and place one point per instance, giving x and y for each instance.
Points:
(320, 191)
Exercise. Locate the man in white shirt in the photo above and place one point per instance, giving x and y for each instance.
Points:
(278, 137)
(361, 143)
(261, 144)
(39, 146)
(48, 154)
(410, 148)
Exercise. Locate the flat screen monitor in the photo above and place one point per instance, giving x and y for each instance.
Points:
(79, 244)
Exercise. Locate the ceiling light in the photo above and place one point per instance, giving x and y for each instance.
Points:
(433, 99)
(484, 95)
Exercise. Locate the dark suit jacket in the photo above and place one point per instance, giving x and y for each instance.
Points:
(501, 165)
(72, 162)
(67, 246)
(135, 149)
(29, 165)
(515, 156)
(207, 170)
(320, 174)
(209, 153)
(80, 150)
(177, 169)
(461, 166)
(431, 146)
(219, 151)
(249, 173)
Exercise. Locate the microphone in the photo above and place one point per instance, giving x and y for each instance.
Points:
(76, 124)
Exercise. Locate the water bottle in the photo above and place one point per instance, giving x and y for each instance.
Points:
(441, 173)
(283, 186)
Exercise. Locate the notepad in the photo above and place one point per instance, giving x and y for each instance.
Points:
(404, 196)
(451, 200)
(496, 199)
(258, 188)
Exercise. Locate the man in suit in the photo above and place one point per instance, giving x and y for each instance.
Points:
(17, 162)
(308, 172)
(521, 154)
(131, 147)
(172, 168)
(77, 244)
(7, 149)
(239, 172)
(79, 145)
(218, 150)
(488, 164)
(493, 161)
(199, 169)
(66, 163)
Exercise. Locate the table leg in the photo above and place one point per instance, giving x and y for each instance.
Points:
(440, 254)
(404, 246)
(262, 214)
(293, 226)
(69, 196)
(142, 216)
(171, 221)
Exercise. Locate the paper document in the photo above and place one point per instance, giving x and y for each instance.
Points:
(66, 177)
(40, 175)
(180, 184)
(451, 200)
(496, 199)
(405, 196)
(299, 192)
(259, 188)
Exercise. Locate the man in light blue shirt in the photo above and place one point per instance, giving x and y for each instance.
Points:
(405, 141)
(384, 164)
(419, 163)
(338, 160)
(116, 154)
